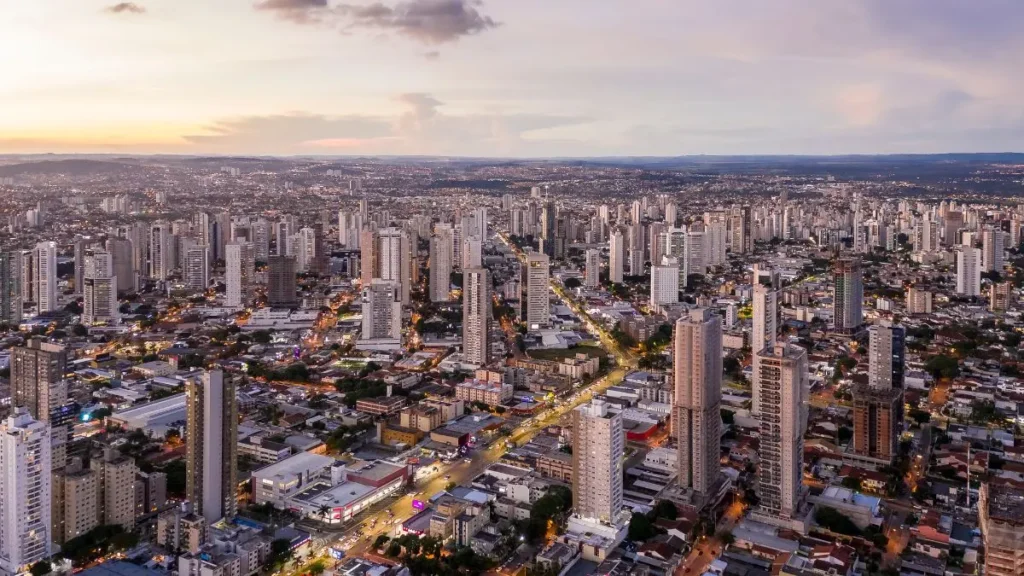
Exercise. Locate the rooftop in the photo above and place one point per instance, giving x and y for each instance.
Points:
(1005, 503)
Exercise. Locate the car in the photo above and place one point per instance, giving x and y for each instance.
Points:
(447, 476)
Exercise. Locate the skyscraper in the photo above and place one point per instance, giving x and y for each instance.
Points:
(38, 384)
(742, 240)
(592, 270)
(161, 253)
(536, 303)
(211, 467)
(197, 267)
(886, 356)
(79, 253)
(239, 270)
(476, 311)
(547, 230)
(1000, 296)
(665, 282)
(45, 268)
(783, 376)
(441, 261)
(121, 256)
(766, 285)
(99, 288)
(992, 241)
(968, 271)
(847, 295)
(616, 256)
(598, 445)
(697, 369)
(25, 516)
(878, 406)
(1001, 520)
(382, 315)
(393, 252)
(10, 288)
(281, 282)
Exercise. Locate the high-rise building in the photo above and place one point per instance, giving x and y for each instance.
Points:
(197, 267)
(45, 268)
(636, 251)
(79, 254)
(211, 442)
(1001, 519)
(968, 271)
(695, 259)
(161, 251)
(382, 314)
(74, 506)
(260, 240)
(25, 515)
(472, 252)
(121, 255)
(592, 269)
(876, 421)
(886, 355)
(784, 389)
(766, 305)
(38, 384)
(1000, 294)
(742, 239)
(442, 257)
(616, 256)
(697, 371)
(393, 252)
(919, 301)
(598, 445)
(547, 230)
(878, 406)
(952, 223)
(99, 289)
(115, 477)
(536, 302)
(476, 312)
(847, 295)
(10, 288)
(665, 282)
(239, 273)
(281, 282)
(992, 249)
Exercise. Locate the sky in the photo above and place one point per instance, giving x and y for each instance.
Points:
(512, 78)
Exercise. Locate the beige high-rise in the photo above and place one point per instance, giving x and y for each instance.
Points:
(37, 383)
(783, 377)
(115, 475)
(597, 449)
(75, 509)
(697, 417)
(476, 310)
(535, 299)
(1001, 519)
(211, 445)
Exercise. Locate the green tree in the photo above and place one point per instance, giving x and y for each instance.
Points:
(41, 568)
(641, 528)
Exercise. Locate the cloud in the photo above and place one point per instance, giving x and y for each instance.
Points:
(125, 8)
(298, 11)
(429, 22)
(421, 127)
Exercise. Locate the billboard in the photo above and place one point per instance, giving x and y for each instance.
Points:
(418, 504)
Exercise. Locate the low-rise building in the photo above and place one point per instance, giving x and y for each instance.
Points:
(383, 405)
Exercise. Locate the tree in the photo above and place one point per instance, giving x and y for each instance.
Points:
(79, 330)
(844, 434)
(280, 554)
(380, 541)
(852, 482)
(261, 337)
(920, 416)
(726, 537)
(728, 416)
(665, 509)
(641, 528)
(835, 521)
(940, 366)
(573, 283)
(41, 568)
